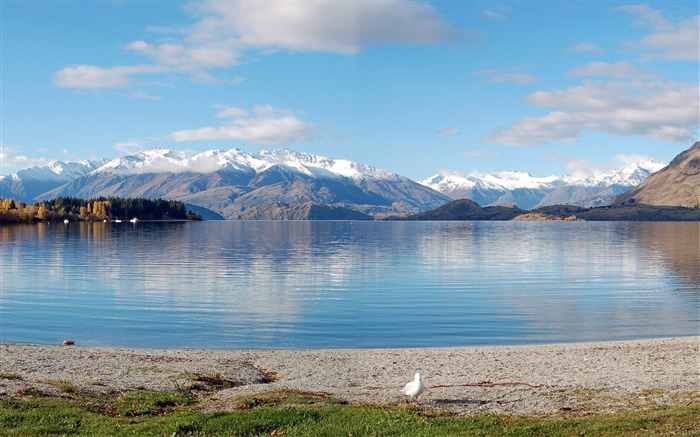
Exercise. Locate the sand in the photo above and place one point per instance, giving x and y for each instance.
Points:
(577, 378)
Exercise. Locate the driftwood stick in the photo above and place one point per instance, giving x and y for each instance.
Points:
(472, 384)
(489, 384)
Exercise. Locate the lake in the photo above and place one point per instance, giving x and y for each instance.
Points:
(301, 284)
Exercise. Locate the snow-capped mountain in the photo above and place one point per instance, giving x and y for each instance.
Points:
(499, 189)
(526, 191)
(26, 184)
(232, 181)
(603, 188)
(159, 160)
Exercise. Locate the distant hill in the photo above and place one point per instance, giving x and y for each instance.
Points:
(677, 184)
(305, 211)
(464, 209)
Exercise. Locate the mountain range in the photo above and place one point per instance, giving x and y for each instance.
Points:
(241, 185)
(231, 182)
(525, 191)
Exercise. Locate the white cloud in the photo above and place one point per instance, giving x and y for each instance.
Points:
(680, 44)
(450, 131)
(480, 153)
(585, 47)
(493, 15)
(128, 147)
(665, 110)
(647, 16)
(632, 159)
(11, 159)
(507, 75)
(142, 95)
(268, 126)
(89, 76)
(581, 167)
(222, 31)
(578, 167)
(618, 70)
(330, 26)
(669, 41)
(230, 111)
(177, 57)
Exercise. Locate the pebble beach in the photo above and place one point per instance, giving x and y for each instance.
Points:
(575, 378)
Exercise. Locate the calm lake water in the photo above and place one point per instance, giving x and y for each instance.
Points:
(239, 285)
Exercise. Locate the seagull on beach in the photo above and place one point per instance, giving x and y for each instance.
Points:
(414, 388)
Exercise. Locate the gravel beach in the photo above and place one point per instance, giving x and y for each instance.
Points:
(576, 378)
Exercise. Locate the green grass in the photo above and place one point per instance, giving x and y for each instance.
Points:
(295, 413)
(11, 376)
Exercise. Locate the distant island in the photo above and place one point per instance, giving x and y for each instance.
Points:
(97, 209)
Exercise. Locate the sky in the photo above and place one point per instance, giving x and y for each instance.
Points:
(413, 87)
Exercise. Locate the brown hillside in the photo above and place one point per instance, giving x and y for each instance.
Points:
(677, 184)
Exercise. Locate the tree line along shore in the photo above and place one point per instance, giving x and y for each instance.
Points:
(96, 209)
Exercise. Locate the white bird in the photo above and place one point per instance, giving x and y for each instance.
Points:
(414, 388)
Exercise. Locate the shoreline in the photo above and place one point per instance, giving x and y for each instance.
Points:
(540, 379)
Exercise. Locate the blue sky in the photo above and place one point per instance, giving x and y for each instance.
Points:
(412, 87)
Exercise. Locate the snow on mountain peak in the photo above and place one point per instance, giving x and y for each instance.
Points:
(524, 190)
(159, 160)
(630, 174)
(56, 171)
(322, 166)
(505, 180)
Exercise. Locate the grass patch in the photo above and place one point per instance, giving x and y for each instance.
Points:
(297, 413)
(65, 386)
(213, 381)
(11, 376)
(285, 397)
(29, 392)
(137, 404)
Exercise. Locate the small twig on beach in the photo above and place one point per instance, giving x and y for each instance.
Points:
(472, 384)
(489, 384)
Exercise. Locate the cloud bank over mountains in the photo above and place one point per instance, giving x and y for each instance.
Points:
(266, 126)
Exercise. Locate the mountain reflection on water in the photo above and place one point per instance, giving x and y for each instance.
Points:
(677, 247)
(347, 284)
